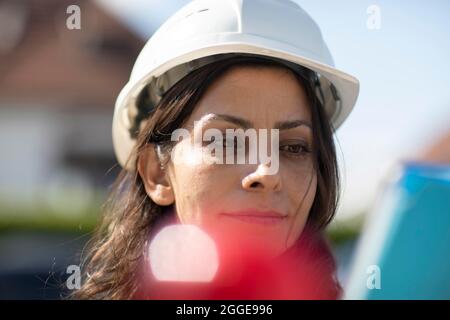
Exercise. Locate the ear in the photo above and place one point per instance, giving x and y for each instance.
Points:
(155, 178)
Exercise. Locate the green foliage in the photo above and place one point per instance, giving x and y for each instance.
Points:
(343, 230)
(42, 219)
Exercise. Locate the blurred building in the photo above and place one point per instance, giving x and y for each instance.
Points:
(57, 92)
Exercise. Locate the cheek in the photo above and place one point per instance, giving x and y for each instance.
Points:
(302, 192)
(300, 182)
(301, 198)
(198, 188)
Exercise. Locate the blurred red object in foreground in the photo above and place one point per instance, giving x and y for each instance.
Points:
(304, 271)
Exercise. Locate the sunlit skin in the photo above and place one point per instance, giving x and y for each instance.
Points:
(210, 195)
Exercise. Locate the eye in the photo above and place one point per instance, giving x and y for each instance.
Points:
(234, 143)
(228, 143)
(224, 143)
(295, 149)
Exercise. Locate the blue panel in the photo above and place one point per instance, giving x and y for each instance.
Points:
(412, 249)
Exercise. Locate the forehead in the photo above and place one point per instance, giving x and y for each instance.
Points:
(261, 94)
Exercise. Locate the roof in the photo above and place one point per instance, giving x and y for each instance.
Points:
(46, 63)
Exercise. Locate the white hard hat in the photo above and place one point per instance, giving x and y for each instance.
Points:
(206, 30)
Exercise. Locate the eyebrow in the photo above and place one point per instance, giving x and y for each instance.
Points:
(241, 122)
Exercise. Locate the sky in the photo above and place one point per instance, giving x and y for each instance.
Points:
(403, 68)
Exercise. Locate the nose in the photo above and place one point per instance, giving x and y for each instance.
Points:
(261, 180)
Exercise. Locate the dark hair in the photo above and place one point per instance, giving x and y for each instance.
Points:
(116, 252)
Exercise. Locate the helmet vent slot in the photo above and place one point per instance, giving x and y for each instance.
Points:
(198, 11)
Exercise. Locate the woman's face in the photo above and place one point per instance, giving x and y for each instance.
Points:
(262, 207)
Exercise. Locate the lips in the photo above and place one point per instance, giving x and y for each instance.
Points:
(256, 216)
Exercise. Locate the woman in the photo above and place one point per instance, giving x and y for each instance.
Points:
(236, 64)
